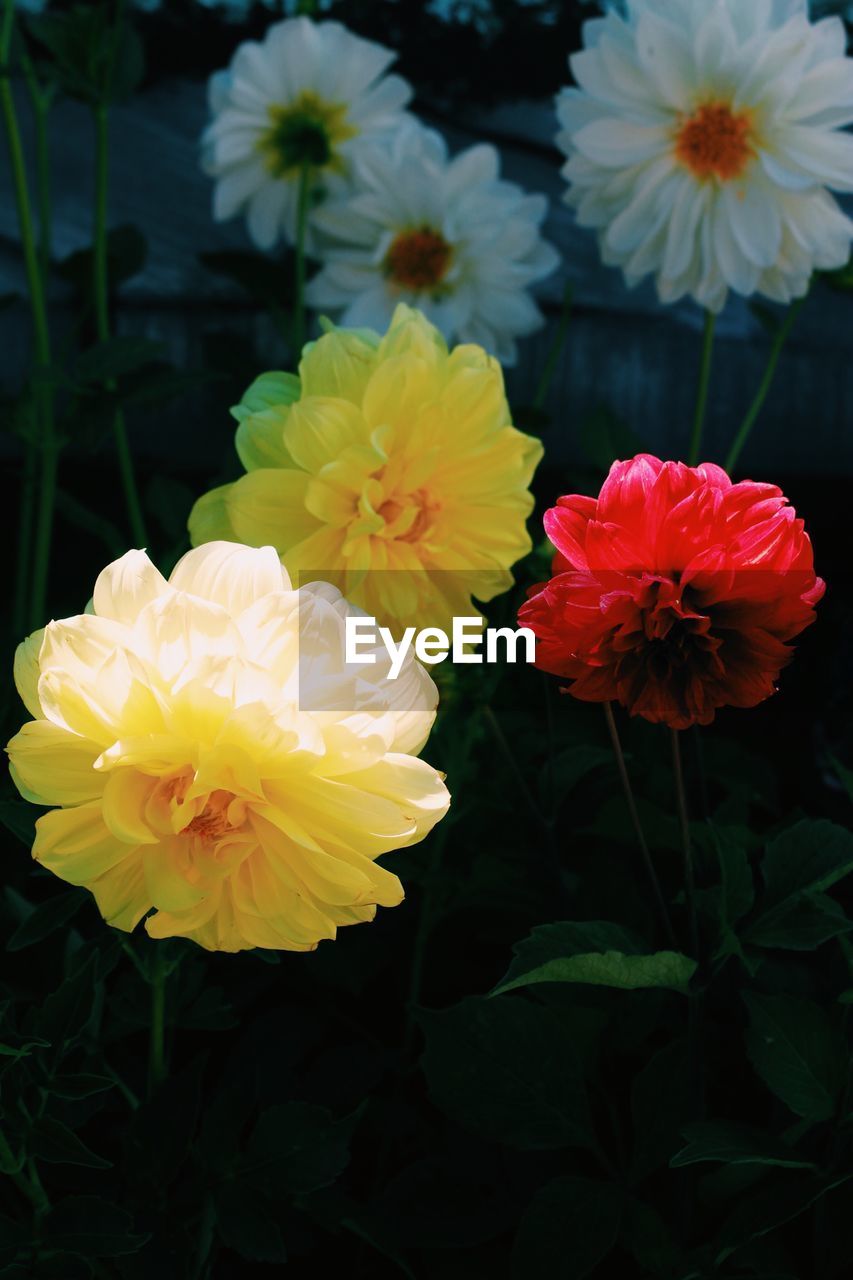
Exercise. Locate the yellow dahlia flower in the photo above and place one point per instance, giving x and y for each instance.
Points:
(212, 757)
(389, 466)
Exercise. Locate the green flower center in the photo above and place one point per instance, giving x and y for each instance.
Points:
(305, 134)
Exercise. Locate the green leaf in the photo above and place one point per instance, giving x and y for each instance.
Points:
(82, 1084)
(268, 281)
(46, 918)
(770, 1206)
(811, 856)
(507, 1069)
(661, 1097)
(162, 1129)
(800, 924)
(569, 1226)
(797, 1051)
(65, 1013)
(649, 1240)
(604, 436)
(54, 1142)
(109, 360)
(248, 1223)
(20, 818)
(296, 1148)
(723, 1142)
(127, 252)
(596, 953)
(91, 1227)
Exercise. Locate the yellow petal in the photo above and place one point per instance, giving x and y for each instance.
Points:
(320, 428)
(209, 520)
(50, 765)
(339, 364)
(76, 844)
(121, 894)
(27, 671)
(268, 508)
(125, 798)
(266, 392)
(260, 439)
(166, 866)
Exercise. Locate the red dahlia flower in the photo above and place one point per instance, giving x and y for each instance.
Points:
(674, 592)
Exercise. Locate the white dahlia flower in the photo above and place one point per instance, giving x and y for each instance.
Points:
(304, 100)
(703, 142)
(447, 236)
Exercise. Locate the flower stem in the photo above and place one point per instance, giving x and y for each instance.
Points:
(704, 385)
(303, 201)
(555, 350)
(100, 286)
(660, 901)
(686, 843)
(156, 1043)
(779, 340)
(47, 445)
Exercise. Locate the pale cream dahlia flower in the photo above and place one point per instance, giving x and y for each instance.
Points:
(212, 757)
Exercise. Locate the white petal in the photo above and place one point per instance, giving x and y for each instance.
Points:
(229, 574)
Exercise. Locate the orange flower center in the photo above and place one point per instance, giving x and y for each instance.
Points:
(418, 259)
(715, 142)
(214, 820)
(412, 516)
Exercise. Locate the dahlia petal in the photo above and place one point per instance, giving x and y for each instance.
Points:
(268, 507)
(230, 575)
(126, 585)
(49, 765)
(76, 844)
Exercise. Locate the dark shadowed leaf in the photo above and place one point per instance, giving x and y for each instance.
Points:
(296, 1148)
(568, 1227)
(159, 1136)
(769, 1206)
(80, 1085)
(65, 1014)
(92, 1227)
(723, 1142)
(799, 925)
(797, 1051)
(660, 1106)
(507, 1069)
(46, 918)
(54, 1142)
(248, 1223)
(20, 818)
(811, 856)
(648, 1238)
(114, 357)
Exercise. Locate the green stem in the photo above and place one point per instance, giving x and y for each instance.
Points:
(102, 318)
(686, 843)
(781, 337)
(704, 386)
(554, 351)
(302, 206)
(156, 1043)
(520, 780)
(48, 449)
(628, 790)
